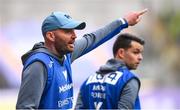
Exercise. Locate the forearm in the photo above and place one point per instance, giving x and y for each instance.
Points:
(90, 41)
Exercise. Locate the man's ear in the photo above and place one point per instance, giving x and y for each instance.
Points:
(120, 53)
(50, 36)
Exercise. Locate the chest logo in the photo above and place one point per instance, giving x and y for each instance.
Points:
(65, 74)
(50, 64)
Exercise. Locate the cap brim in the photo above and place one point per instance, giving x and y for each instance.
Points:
(74, 25)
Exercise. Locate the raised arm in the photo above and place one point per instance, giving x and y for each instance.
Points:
(90, 41)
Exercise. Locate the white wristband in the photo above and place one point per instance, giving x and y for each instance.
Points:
(122, 20)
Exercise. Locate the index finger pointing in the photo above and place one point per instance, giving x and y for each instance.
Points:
(143, 11)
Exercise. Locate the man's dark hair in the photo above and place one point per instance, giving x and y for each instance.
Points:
(124, 41)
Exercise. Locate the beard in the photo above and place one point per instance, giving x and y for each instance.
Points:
(62, 48)
(131, 67)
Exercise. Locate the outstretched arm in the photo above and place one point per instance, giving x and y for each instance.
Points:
(90, 41)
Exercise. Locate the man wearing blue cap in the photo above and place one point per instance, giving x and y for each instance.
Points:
(47, 76)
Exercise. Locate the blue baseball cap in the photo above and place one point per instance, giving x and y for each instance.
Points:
(60, 20)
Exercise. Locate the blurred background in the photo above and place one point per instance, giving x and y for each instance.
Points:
(20, 28)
